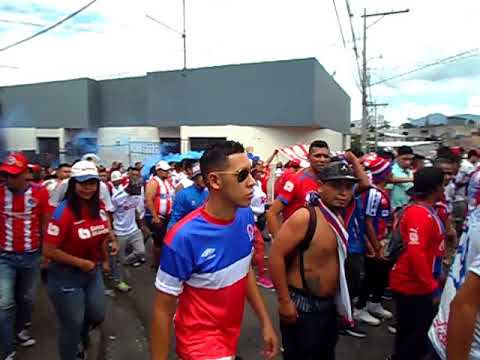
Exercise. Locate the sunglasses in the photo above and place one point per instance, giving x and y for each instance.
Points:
(242, 175)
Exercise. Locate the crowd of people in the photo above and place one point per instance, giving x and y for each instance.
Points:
(343, 235)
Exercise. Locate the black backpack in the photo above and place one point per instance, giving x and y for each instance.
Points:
(395, 246)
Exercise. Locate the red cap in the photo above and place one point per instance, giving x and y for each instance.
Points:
(15, 163)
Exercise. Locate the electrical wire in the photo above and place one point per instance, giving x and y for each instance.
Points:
(339, 24)
(454, 58)
(48, 28)
(20, 22)
(355, 49)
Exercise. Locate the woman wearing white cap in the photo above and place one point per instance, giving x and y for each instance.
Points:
(77, 242)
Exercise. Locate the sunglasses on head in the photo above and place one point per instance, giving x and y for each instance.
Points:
(242, 175)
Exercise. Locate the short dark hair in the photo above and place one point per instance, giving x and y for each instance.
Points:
(62, 165)
(473, 152)
(320, 144)
(385, 154)
(216, 156)
(428, 180)
(444, 160)
(404, 150)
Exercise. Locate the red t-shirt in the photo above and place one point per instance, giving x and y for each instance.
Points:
(81, 238)
(423, 236)
(20, 215)
(295, 192)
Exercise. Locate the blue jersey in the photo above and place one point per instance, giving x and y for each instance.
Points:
(205, 262)
(186, 201)
(355, 223)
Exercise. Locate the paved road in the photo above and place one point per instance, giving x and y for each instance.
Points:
(125, 331)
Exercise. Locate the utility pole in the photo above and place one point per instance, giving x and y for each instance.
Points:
(365, 80)
(375, 106)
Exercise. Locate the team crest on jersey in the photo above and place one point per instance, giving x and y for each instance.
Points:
(32, 202)
(413, 237)
(84, 234)
(288, 186)
(11, 160)
(251, 232)
(53, 230)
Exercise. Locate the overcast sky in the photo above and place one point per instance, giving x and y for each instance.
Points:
(113, 38)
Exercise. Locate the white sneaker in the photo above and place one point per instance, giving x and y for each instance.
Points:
(11, 356)
(377, 310)
(24, 339)
(364, 316)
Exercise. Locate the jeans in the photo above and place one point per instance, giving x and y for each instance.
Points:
(415, 314)
(354, 271)
(18, 279)
(79, 301)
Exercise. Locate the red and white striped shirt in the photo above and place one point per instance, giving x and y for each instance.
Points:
(164, 196)
(20, 215)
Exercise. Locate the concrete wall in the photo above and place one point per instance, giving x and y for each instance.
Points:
(275, 93)
(59, 104)
(265, 139)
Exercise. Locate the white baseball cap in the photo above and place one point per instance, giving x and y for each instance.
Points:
(84, 170)
(91, 157)
(162, 165)
(196, 170)
(116, 176)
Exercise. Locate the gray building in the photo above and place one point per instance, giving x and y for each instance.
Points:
(261, 101)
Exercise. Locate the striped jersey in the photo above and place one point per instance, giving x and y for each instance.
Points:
(164, 196)
(20, 215)
(205, 262)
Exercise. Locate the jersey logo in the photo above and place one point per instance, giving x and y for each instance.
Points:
(413, 238)
(208, 254)
(53, 230)
(84, 234)
(32, 202)
(288, 186)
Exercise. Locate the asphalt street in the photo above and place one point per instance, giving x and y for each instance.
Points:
(124, 334)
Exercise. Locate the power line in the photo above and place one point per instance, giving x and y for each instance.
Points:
(339, 24)
(20, 22)
(164, 25)
(460, 56)
(354, 40)
(48, 28)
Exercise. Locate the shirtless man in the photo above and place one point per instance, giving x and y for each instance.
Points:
(309, 275)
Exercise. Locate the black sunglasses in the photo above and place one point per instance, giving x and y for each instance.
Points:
(242, 175)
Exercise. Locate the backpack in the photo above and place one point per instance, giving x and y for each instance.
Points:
(395, 246)
(305, 244)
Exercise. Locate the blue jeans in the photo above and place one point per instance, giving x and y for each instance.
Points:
(18, 280)
(79, 301)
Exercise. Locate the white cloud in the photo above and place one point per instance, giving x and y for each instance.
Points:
(232, 31)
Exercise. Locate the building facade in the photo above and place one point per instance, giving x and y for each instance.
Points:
(263, 105)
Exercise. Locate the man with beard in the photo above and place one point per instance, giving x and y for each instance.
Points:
(296, 190)
(307, 268)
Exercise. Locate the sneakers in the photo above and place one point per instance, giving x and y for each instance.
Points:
(387, 295)
(265, 282)
(377, 310)
(11, 356)
(355, 331)
(136, 264)
(24, 339)
(81, 353)
(123, 287)
(364, 316)
(392, 328)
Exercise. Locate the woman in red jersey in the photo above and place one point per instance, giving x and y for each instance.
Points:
(77, 242)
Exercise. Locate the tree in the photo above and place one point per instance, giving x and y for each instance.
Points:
(407, 126)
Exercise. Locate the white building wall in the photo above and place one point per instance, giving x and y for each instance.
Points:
(114, 143)
(265, 139)
(20, 138)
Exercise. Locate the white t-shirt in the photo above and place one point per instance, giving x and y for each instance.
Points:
(126, 207)
(258, 201)
(466, 260)
(185, 182)
(466, 169)
(59, 192)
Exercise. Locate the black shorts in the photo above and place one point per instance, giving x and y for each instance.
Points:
(314, 335)
(158, 230)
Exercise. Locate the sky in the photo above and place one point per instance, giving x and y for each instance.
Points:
(114, 38)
